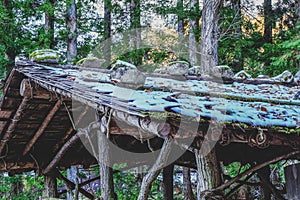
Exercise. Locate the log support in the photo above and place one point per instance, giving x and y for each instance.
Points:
(208, 175)
(187, 184)
(9, 132)
(106, 173)
(155, 169)
(292, 174)
(42, 127)
(168, 182)
(50, 187)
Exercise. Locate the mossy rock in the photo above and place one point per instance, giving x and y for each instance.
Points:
(242, 75)
(176, 68)
(91, 62)
(45, 55)
(284, 77)
(223, 71)
(297, 78)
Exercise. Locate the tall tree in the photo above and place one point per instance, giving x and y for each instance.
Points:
(71, 20)
(209, 34)
(49, 24)
(135, 24)
(187, 184)
(107, 30)
(180, 18)
(194, 24)
(268, 20)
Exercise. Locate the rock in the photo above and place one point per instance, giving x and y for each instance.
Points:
(174, 68)
(121, 64)
(242, 75)
(223, 70)
(297, 78)
(284, 77)
(194, 71)
(91, 62)
(45, 56)
(126, 74)
(262, 77)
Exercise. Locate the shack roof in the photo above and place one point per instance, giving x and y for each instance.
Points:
(34, 127)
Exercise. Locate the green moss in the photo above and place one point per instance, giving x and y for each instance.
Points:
(86, 59)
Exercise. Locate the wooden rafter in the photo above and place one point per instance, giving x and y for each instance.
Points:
(9, 132)
(70, 130)
(42, 127)
(68, 144)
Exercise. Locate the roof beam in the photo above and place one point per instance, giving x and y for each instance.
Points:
(11, 128)
(32, 90)
(42, 127)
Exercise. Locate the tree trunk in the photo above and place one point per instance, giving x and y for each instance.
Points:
(292, 174)
(187, 184)
(209, 35)
(268, 21)
(16, 187)
(180, 23)
(50, 187)
(72, 175)
(168, 182)
(194, 26)
(208, 174)
(238, 59)
(107, 31)
(106, 173)
(72, 30)
(264, 175)
(135, 23)
(49, 24)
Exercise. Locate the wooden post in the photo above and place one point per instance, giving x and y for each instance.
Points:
(155, 169)
(50, 187)
(292, 174)
(106, 173)
(208, 174)
(187, 184)
(168, 182)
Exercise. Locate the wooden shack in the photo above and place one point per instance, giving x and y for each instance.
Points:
(45, 109)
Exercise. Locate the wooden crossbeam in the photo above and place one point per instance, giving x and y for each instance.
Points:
(42, 127)
(32, 90)
(72, 186)
(9, 132)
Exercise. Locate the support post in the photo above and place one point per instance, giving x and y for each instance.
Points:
(106, 173)
(155, 169)
(168, 182)
(292, 174)
(50, 187)
(187, 184)
(208, 174)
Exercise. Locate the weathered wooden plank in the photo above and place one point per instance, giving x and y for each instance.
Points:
(42, 127)
(11, 128)
(292, 174)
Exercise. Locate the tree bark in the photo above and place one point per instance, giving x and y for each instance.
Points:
(209, 35)
(180, 23)
(135, 23)
(71, 20)
(187, 184)
(168, 182)
(208, 173)
(107, 30)
(194, 26)
(268, 21)
(292, 174)
(238, 59)
(264, 175)
(49, 24)
(50, 187)
(72, 175)
(106, 173)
